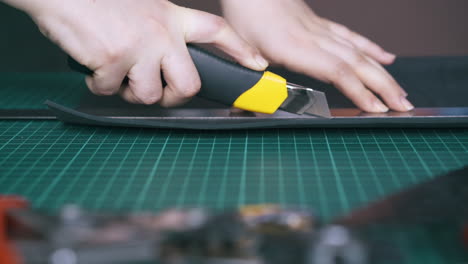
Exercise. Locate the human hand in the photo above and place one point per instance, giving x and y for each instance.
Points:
(289, 33)
(137, 39)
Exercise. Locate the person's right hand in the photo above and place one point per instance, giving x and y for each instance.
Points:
(138, 39)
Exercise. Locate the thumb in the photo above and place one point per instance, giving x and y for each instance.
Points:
(202, 27)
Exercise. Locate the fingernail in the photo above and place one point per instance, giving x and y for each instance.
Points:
(390, 56)
(406, 104)
(380, 107)
(261, 61)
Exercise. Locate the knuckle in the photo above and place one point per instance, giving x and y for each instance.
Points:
(99, 90)
(105, 92)
(366, 101)
(363, 41)
(340, 70)
(344, 29)
(297, 37)
(155, 26)
(113, 55)
(150, 99)
(218, 23)
(359, 60)
(388, 91)
(300, 45)
(145, 94)
(116, 52)
(191, 89)
(89, 61)
(340, 28)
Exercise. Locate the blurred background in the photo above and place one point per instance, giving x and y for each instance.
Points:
(406, 27)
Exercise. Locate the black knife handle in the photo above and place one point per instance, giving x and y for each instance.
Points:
(222, 81)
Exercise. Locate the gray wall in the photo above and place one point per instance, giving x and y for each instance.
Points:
(406, 27)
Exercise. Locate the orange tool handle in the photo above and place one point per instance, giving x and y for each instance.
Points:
(8, 254)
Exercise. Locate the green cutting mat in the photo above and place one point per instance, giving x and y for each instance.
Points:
(30, 91)
(328, 170)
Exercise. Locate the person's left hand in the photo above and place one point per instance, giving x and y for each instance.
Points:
(289, 33)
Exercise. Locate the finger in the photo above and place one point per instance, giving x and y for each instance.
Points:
(144, 81)
(313, 61)
(107, 79)
(376, 79)
(128, 95)
(365, 45)
(369, 59)
(183, 81)
(351, 46)
(201, 27)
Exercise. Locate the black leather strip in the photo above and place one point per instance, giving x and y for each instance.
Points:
(221, 119)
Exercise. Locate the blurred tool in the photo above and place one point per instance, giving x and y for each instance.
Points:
(259, 234)
(254, 234)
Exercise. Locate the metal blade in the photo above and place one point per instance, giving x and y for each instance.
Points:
(320, 106)
(302, 100)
